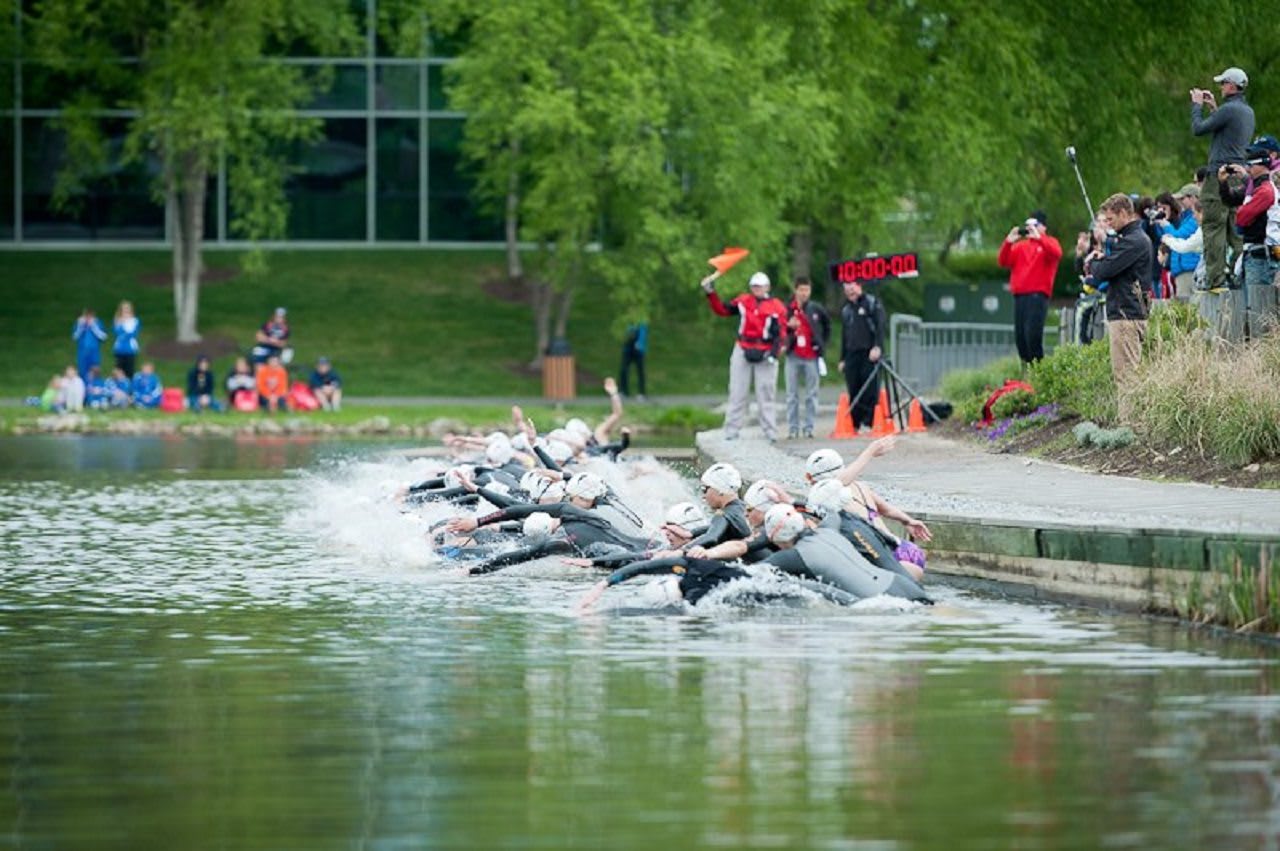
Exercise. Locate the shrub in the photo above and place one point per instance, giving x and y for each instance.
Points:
(1224, 401)
(1079, 379)
(687, 417)
(1089, 433)
(1017, 403)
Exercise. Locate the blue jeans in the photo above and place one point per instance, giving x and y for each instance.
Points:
(1259, 271)
(802, 388)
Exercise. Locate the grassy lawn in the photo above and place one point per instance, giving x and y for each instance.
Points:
(395, 323)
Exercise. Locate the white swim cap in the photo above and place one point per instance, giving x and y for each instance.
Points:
(828, 495)
(722, 477)
(759, 495)
(686, 515)
(539, 524)
(498, 452)
(533, 484)
(521, 442)
(586, 486)
(783, 524)
(823, 464)
(494, 436)
(453, 477)
(578, 427)
(559, 451)
(759, 279)
(497, 487)
(554, 492)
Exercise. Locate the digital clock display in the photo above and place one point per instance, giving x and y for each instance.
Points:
(875, 267)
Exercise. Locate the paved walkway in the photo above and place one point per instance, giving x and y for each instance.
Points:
(938, 477)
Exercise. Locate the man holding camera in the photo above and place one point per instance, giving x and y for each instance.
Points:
(1254, 198)
(1032, 257)
(1231, 125)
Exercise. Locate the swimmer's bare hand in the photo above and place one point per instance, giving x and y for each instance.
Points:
(574, 561)
(589, 599)
(696, 552)
(611, 386)
(461, 524)
(882, 446)
(918, 531)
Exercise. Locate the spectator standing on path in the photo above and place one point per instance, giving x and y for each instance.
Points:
(126, 327)
(1231, 126)
(1127, 269)
(755, 355)
(635, 345)
(88, 334)
(272, 338)
(326, 385)
(862, 321)
(808, 328)
(1253, 201)
(1032, 256)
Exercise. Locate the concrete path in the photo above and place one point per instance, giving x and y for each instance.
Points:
(942, 478)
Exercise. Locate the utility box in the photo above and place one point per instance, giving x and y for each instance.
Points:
(558, 372)
(981, 302)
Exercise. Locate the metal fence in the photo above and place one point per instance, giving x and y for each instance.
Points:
(923, 352)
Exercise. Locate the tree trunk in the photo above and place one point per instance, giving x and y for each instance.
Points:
(186, 190)
(801, 253)
(563, 305)
(515, 270)
(542, 294)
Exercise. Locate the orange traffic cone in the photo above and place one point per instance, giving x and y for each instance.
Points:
(884, 424)
(728, 259)
(844, 423)
(915, 418)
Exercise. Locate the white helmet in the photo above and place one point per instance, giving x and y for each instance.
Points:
(521, 442)
(823, 464)
(498, 452)
(722, 477)
(539, 524)
(496, 436)
(553, 492)
(586, 486)
(578, 428)
(533, 484)
(828, 495)
(686, 515)
(783, 524)
(760, 495)
(759, 279)
(559, 451)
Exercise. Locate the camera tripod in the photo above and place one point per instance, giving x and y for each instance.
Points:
(900, 394)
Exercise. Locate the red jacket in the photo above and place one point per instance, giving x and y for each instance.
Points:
(1034, 263)
(760, 321)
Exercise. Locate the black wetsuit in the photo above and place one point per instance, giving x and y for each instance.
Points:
(582, 532)
(730, 524)
(434, 490)
(697, 575)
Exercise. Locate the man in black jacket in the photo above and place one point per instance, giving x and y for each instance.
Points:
(1128, 270)
(808, 327)
(862, 321)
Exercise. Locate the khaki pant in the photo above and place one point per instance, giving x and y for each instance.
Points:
(1183, 285)
(1217, 222)
(741, 375)
(1125, 336)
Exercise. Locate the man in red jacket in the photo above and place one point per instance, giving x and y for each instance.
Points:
(1033, 257)
(761, 319)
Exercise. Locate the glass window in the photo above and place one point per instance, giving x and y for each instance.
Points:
(117, 201)
(6, 177)
(436, 81)
(346, 91)
(397, 87)
(398, 172)
(453, 215)
(327, 194)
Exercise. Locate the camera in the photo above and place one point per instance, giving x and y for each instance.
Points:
(1023, 230)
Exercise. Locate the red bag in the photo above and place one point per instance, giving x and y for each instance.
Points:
(245, 400)
(302, 399)
(172, 401)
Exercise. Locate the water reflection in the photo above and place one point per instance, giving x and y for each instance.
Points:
(200, 663)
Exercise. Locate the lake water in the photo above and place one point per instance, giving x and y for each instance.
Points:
(244, 644)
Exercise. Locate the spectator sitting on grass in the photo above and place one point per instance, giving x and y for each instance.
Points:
(48, 400)
(272, 338)
(146, 387)
(200, 387)
(119, 389)
(273, 385)
(239, 381)
(326, 385)
(97, 393)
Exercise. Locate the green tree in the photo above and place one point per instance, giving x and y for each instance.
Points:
(197, 82)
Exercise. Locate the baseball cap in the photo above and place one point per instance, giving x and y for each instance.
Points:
(1233, 75)
(280, 311)
(759, 279)
(1255, 155)
(1190, 190)
(1269, 142)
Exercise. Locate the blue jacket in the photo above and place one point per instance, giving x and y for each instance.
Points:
(127, 336)
(146, 390)
(1178, 261)
(88, 337)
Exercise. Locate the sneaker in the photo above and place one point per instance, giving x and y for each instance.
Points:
(808, 434)
(793, 434)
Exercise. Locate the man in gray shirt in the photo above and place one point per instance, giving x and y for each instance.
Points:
(1231, 126)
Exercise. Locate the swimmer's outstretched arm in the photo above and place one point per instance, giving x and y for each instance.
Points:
(544, 548)
(854, 468)
(602, 431)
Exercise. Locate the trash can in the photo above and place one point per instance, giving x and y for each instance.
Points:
(557, 371)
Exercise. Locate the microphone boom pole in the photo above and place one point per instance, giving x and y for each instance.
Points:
(1071, 155)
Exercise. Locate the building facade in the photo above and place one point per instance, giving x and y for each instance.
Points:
(387, 171)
